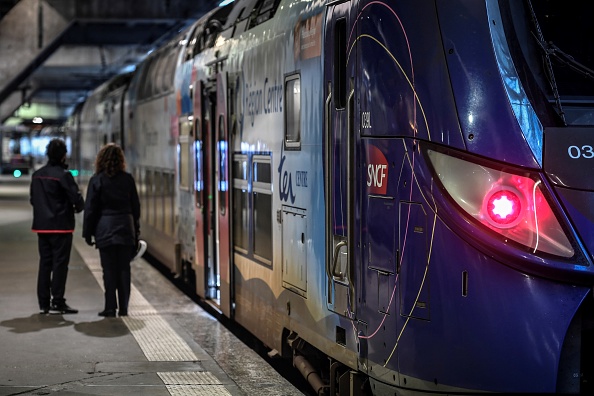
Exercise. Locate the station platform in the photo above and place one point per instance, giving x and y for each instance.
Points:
(168, 345)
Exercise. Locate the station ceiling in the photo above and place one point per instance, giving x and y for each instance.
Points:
(98, 40)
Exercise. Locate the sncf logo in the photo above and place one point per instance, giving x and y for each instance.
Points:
(377, 171)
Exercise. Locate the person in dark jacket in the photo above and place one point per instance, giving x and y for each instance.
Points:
(111, 218)
(55, 197)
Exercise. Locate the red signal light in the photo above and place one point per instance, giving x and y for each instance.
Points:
(504, 208)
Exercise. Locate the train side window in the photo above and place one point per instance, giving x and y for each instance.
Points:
(150, 186)
(340, 30)
(148, 81)
(169, 69)
(141, 186)
(169, 177)
(263, 11)
(158, 75)
(198, 155)
(159, 201)
(293, 112)
(184, 155)
(262, 207)
(223, 171)
(240, 203)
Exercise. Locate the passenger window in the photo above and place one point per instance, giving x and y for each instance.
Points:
(240, 203)
(262, 207)
(223, 177)
(293, 112)
(199, 177)
(184, 154)
(252, 206)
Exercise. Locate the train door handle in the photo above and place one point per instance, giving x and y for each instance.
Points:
(335, 274)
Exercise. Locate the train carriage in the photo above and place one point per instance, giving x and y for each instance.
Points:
(401, 187)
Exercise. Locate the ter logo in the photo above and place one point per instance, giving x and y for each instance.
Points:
(377, 171)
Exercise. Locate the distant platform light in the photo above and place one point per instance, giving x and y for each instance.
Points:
(74, 172)
(37, 120)
(17, 173)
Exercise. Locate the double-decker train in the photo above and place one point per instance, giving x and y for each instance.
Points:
(396, 194)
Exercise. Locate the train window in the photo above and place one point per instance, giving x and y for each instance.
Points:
(198, 182)
(184, 154)
(223, 171)
(169, 70)
(169, 202)
(157, 75)
(262, 173)
(140, 181)
(151, 81)
(240, 27)
(293, 112)
(263, 11)
(263, 226)
(149, 197)
(340, 30)
(240, 203)
(262, 207)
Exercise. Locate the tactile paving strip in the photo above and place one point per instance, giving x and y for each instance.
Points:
(159, 342)
(196, 382)
(157, 339)
(189, 378)
(197, 390)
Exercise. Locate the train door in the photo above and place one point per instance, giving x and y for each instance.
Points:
(339, 143)
(213, 243)
(202, 188)
(222, 192)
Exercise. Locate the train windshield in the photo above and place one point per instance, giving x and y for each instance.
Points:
(551, 43)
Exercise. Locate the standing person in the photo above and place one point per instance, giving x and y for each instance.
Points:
(55, 197)
(112, 214)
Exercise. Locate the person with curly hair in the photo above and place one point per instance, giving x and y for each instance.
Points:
(112, 223)
(55, 198)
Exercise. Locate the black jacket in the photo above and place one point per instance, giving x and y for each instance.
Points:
(55, 197)
(112, 210)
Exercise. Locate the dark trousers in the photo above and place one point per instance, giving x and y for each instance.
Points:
(54, 256)
(115, 261)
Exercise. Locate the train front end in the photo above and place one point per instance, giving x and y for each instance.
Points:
(473, 196)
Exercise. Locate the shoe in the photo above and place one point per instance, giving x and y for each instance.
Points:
(62, 309)
(44, 310)
(122, 313)
(108, 313)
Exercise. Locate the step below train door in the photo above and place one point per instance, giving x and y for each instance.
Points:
(339, 165)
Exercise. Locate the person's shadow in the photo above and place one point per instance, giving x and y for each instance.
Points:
(36, 322)
(104, 328)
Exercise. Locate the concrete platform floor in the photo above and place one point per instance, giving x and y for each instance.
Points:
(167, 346)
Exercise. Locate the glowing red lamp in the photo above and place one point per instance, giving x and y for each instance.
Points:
(504, 207)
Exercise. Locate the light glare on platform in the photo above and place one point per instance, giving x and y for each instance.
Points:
(37, 120)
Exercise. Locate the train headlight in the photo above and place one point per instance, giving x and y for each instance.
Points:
(503, 207)
(512, 205)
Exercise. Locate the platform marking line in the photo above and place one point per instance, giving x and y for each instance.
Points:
(158, 340)
(204, 383)
(197, 390)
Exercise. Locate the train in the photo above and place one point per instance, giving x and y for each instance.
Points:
(397, 195)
